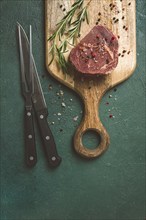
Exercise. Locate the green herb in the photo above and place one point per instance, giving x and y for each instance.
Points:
(60, 55)
(75, 30)
(71, 33)
(61, 26)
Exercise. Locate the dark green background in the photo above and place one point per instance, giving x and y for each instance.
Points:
(111, 187)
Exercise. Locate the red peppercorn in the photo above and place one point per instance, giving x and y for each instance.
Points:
(110, 116)
(93, 54)
(113, 38)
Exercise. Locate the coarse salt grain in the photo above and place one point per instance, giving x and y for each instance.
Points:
(63, 104)
(75, 118)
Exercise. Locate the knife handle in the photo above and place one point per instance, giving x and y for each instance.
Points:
(48, 141)
(30, 146)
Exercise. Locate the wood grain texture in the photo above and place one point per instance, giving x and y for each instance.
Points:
(91, 89)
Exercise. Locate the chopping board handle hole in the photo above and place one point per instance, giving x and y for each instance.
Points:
(91, 139)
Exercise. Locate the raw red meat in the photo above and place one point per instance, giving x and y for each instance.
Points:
(97, 52)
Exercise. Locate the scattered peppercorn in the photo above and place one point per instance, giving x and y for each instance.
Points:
(61, 6)
(129, 3)
(114, 18)
(124, 27)
(107, 61)
(123, 18)
(93, 54)
(99, 13)
(118, 36)
(124, 51)
(98, 19)
(97, 23)
(119, 54)
(128, 52)
(64, 9)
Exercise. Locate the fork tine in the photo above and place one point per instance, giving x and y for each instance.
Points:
(30, 60)
(23, 79)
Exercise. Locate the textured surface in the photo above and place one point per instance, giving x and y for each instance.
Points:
(109, 188)
(92, 90)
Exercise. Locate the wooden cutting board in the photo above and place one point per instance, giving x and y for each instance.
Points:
(121, 20)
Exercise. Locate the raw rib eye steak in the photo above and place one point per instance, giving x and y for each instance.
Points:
(97, 52)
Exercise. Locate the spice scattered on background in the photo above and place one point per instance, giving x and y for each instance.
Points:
(63, 104)
(50, 87)
(76, 118)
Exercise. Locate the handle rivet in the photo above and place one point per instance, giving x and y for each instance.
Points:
(28, 113)
(30, 136)
(53, 158)
(31, 158)
(41, 116)
(47, 138)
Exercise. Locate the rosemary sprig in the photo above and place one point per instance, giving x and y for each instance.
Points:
(61, 26)
(60, 55)
(75, 30)
(71, 33)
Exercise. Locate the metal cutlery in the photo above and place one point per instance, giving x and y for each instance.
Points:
(34, 99)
